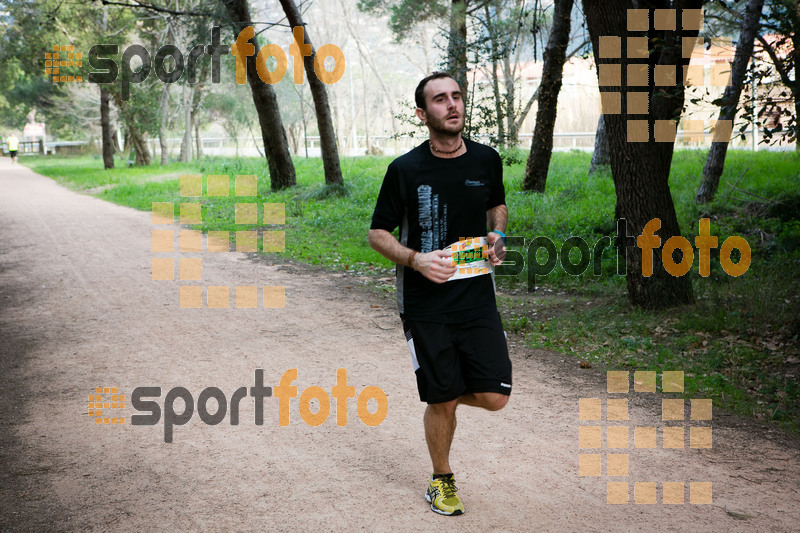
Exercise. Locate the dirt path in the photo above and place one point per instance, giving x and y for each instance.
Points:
(78, 309)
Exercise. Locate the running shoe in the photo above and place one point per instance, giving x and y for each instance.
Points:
(442, 496)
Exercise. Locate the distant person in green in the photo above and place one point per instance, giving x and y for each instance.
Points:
(13, 147)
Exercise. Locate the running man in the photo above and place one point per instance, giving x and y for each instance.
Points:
(13, 147)
(446, 189)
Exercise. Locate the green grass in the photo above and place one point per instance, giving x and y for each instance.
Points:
(737, 343)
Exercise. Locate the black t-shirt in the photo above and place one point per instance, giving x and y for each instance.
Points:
(435, 202)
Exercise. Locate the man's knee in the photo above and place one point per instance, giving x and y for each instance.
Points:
(491, 401)
(497, 402)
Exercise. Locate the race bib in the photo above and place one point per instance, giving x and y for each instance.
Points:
(471, 256)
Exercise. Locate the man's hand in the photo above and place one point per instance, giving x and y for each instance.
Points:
(497, 248)
(437, 266)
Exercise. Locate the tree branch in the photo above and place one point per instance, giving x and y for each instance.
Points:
(158, 9)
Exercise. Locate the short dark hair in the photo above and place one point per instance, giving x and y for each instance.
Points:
(419, 94)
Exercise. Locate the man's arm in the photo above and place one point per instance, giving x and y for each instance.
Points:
(436, 266)
(496, 219)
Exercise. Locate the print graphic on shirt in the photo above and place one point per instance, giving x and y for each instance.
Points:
(432, 223)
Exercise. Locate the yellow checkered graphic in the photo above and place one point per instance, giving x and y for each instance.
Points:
(62, 56)
(709, 66)
(615, 437)
(249, 238)
(101, 401)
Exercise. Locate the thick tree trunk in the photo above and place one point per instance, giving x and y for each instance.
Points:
(276, 146)
(139, 143)
(542, 142)
(715, 163)
(457, 46)
(600, 157)
(162, 127)
(641, 155)
(327, 134)
(105, 126)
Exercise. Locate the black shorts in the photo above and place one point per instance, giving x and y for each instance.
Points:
(453, 359)
(12, 153)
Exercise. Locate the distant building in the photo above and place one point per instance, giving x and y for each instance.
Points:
(579, 100)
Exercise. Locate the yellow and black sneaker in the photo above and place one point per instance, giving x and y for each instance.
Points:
(442, 496)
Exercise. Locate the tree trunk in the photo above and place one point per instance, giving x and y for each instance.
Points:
(512, 131)
(600, 157)
(715, 162)
(797, 115)
(139, 143)
(498, 102)
(105, 115)
(162, 127)
(105, 126)
(542, 142)
(276, 146)
(640, 167)
(795, 88)
(457, 47)
(186, 143)
(327, 134)
(198, 141)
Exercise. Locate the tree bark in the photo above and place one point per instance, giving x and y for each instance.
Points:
(795, 87)
(640, 167)
(554, 57)
(162, 127)
(715, 163)
(600, 157)
(139, 142)
(186, 143)
(276, 146)
(327, 134)
(457, 47)
(498, 101)
(512, 131)
(105, 126)
(105, 115)
(198, 141)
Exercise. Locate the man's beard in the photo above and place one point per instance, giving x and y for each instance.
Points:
(445, 128)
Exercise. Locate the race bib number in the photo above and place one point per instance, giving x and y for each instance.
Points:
(471, 256)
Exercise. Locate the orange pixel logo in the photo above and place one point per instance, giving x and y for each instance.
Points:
(708, 67)
(62, 56)
(103, 399)
(190, 267)
(469, 252)
(618, 437)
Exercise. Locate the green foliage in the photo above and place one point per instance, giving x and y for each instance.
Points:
(405, 14)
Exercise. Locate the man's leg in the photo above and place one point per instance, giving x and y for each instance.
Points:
(491, 401)
(440, 426)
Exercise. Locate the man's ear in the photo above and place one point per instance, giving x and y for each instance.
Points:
(422, 115)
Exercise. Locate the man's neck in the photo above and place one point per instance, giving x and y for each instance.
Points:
(447, 146)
